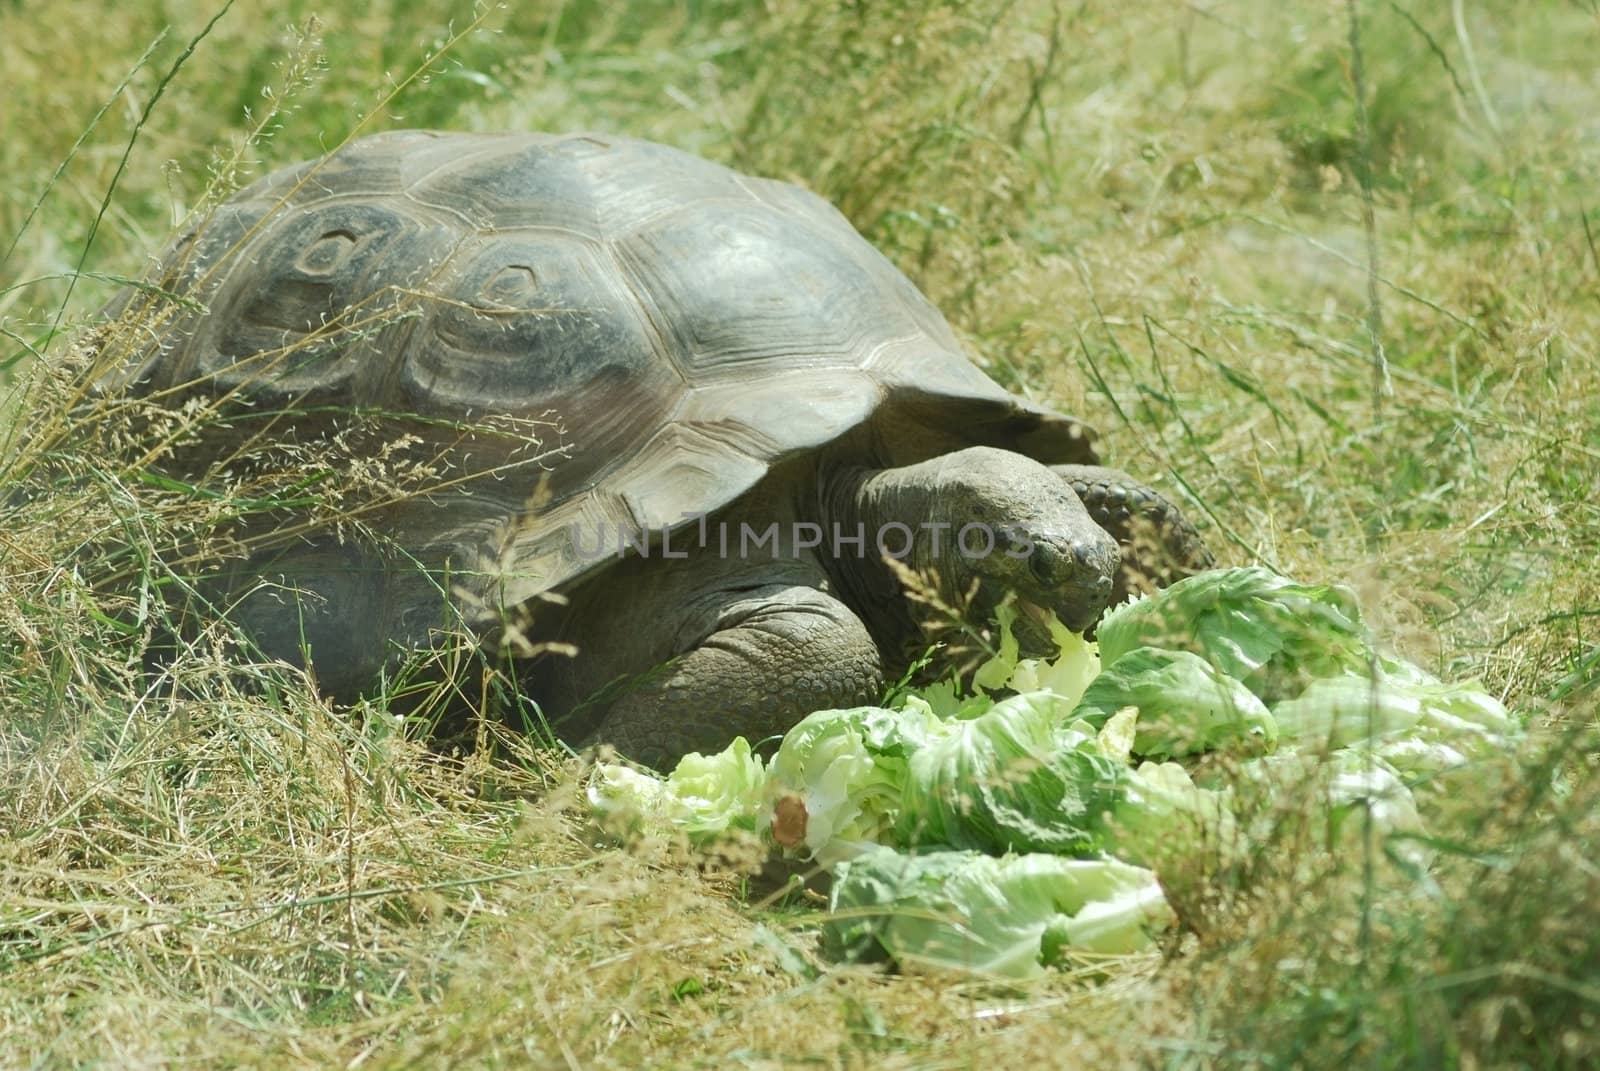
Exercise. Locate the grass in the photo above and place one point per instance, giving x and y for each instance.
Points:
(1174, 220)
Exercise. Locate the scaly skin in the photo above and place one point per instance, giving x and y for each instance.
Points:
(1159, 545)
(778, 653)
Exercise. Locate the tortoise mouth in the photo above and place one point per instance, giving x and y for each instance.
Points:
(1073, 578)
(1078, 605)
(1083, 614)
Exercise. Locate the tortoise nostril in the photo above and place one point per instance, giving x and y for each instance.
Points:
(1084, 555)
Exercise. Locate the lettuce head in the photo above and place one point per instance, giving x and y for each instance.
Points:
(1395, 706)
(1163, 819)
(1342, 793)
(1009, 780)
(836, 783)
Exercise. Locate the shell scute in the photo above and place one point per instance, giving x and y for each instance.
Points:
(528, 321)
(742, 291)
(302, 310)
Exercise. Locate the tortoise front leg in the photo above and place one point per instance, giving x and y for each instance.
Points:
(775, 654)
(1159, 545)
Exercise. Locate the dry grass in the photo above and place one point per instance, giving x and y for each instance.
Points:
(1155, 215)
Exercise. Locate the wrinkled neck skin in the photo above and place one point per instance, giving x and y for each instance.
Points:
(854, 504)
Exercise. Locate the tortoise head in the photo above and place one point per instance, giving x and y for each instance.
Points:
(1026, 532)
(1002, 521)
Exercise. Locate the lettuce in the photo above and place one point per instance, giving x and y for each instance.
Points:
(1066, 675)
(1346, 787)
(1004, 917)
(704, 797)
(1464, 707)
(1163, 819)
(626, 801)
(1370, 785)
(1035, 834)
(1401, 703)
(836, 783)
(1266, 631)
(1008, 780)
(1014, 779)
(1185, 706)
(1342, 710)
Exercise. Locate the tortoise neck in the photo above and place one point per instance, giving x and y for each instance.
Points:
(862, 524)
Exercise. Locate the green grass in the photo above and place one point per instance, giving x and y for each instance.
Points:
(1154, 215)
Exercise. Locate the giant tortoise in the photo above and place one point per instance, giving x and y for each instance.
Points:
(749, 413)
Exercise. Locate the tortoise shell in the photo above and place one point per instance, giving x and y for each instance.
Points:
(688, 327)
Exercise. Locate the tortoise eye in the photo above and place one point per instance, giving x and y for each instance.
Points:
(327, 253)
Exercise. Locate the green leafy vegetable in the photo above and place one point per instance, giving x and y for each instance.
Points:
(1366, 784)
(1332, 790)
(1340, 711)
(703, 797)
(1035, 835)
(1008, 780)
(1162, 818)
(1185, 706)
(1006, 917)
(836, 782)
(1066, 675)
(1251, 624)
(1014, 779)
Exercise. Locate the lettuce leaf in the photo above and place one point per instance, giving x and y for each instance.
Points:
(704, 797)
(1008, 780)
(1067, 674)
(1260, 628)
(1004, 917)
(1185, 705)
(1401, 703)
(836, 783)
(1342, 785)
(1163, 819)
(1338, 711)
